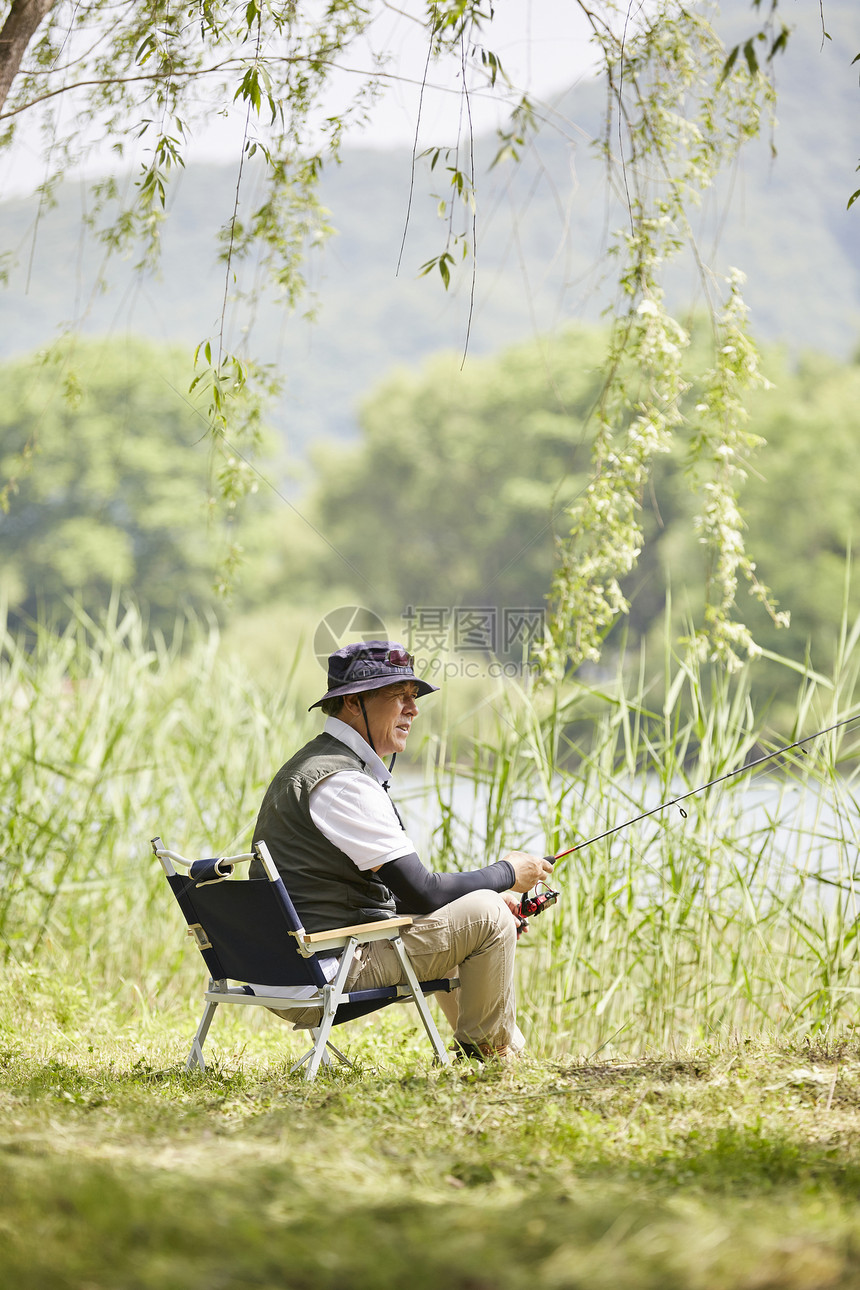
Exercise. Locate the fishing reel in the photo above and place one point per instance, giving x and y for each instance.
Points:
(532, 905)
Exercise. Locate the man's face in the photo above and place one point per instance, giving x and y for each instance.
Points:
(390, 713)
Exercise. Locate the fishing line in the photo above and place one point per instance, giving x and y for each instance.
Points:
(740, 770)
(639, 852)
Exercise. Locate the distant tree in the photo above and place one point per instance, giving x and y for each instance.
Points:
(462, 486)
(460, 479)
(803, 502)
(120, 494)
(679, 106)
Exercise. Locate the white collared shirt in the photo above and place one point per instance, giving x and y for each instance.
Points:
(354, 811)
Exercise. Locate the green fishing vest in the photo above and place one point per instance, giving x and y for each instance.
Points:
(326, 887)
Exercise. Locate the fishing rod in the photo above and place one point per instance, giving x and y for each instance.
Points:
(536, 904)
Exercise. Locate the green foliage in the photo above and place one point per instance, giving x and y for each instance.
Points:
(679, 108)
(459, 473)
(803, 500)
(736, 913)
(739, 915)
(146, 78)
(110, 481)
(107, 739)
(719, 449)
(800, 507)
(676, 115)
(465, 474)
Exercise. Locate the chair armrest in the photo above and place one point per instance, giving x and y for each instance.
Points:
(384, 930)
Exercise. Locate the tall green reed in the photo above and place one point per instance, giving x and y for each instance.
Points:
(739, 918)
(733, 914)
(107, 737)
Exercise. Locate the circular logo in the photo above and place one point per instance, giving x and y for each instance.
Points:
(346, 626)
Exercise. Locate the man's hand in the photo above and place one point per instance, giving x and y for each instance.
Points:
(528, 869)
(512, 900)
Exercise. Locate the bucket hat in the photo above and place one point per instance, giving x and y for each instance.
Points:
(370, 665)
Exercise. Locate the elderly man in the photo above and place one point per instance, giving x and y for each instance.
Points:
(345, 857)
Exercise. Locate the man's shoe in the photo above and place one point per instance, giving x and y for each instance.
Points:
(463, 1049)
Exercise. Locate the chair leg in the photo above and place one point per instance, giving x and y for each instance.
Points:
(300, 1063)
(341, 1056)
(318, 1054)
(421, 1004)
(195, 1057)
(333, 995)
(325, 1060)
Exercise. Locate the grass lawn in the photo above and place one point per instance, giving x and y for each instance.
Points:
(736, 1166)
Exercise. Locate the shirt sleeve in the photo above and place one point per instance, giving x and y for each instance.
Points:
(355, 814)
(418, 891)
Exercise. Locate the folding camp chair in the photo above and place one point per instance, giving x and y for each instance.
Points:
(249, 932)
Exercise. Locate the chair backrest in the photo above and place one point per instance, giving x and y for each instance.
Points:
(242, 928)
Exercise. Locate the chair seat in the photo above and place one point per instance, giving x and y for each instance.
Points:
(358, 1003)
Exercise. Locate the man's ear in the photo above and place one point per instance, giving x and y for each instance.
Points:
(350, 702)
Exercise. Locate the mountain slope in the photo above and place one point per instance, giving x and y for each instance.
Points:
(542, 235)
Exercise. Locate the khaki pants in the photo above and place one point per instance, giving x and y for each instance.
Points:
(474, 938)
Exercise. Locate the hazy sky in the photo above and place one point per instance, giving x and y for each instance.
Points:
(543, 45)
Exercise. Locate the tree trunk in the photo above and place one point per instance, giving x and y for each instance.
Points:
(19, 29)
